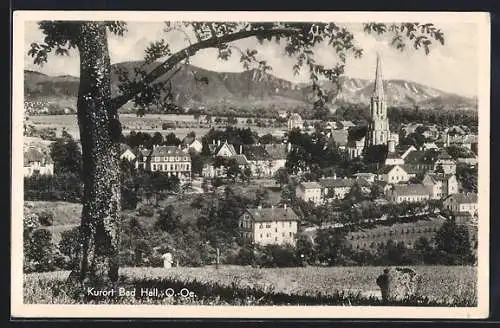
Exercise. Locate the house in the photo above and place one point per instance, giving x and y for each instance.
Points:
(141, 158)
(259, 160)
(283, 114)
(339, 137)
(446, 162)
(37, 163)
(334, 188)
(394, 159)
(309, 192)
(369, 177)
(429, 145)
(432, 133)
(346, 125)
(440, 185)
(171, 160)
(355, 148)
(469, 160)
(411, 128)
(462, 203)
(295, 121)
(266, 226)
(126, 153)
(192, 143)
(408, 151)
(392, 174)
(411, 193)
(418, 161)
(277, 156)
(222, 149)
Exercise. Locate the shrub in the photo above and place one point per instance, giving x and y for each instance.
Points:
(46, 218)
(146, 210)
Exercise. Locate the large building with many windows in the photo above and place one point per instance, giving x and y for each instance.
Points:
(167, 159)
(266, 226)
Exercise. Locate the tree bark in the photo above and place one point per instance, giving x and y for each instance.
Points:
(101, 211)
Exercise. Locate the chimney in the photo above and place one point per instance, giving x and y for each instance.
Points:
(335, 175)
(284, 206)
(213, 142)
(259, 207)
(218, 142)
(241, 149)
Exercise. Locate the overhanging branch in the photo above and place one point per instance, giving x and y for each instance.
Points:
(176, 58)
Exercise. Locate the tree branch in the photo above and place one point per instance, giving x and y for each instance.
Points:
(173, 60)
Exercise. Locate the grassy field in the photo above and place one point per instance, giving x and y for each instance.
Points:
(150, 123)
(441, 284)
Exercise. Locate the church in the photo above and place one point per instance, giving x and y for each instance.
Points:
(378, 132)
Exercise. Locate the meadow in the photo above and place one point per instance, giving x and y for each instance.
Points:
(149, 123)
(238, 285)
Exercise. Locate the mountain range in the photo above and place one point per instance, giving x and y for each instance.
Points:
(251, 88)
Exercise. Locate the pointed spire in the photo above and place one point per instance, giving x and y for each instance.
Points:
(378, 89)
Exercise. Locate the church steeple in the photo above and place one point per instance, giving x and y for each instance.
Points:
(378, 89)
(378, 129)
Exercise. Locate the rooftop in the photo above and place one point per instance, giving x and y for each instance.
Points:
(256, 153)
(273, 214)
(410, 189)
(310, 185)
(35, 155)
(336, 183)
(464, 198)
(164, 151)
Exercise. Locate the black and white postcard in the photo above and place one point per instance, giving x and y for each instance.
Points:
(250, 164)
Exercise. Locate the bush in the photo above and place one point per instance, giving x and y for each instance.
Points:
(146, 210)
(46, 218)
(39, 251)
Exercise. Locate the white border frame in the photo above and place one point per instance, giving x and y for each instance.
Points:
(177, 311)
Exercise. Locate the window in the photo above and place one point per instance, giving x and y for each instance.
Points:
(154, 167)
(275, 229)
(291, 234)
(260, 226)
(260, 235)
(282, 234)
(267, 235)
(290, 224)
(275, 238)
(171, 167)
(268, 225)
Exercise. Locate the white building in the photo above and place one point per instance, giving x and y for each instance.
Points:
(37, 163)
(267, 226)
(309, 192)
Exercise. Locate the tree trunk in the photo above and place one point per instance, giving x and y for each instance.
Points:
(99, 127)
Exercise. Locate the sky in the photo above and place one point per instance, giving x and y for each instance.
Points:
(451, 68)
